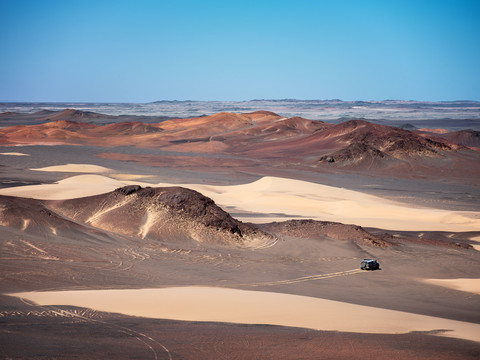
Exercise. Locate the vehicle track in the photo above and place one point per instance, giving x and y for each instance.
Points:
(149, 342)
(305, 278)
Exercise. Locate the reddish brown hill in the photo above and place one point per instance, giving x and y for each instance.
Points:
(261, 113)
(470, 138)
(433, 131)
(21, 133)
(258, 133)
(60, 130)
(360, 139)
(66, 125)
(164, 214)
(390, 140)
(125, 128)
(290, 127)
(3, 139)
(207, 134)
(280, 129)
(220, 123)
(352, 141)
(258, 136)
(262, 117)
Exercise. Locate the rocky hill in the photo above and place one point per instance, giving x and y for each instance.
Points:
(169, 214)
(311, 229)
(358, 139)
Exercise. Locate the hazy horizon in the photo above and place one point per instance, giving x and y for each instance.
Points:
(452, 115)
(243, 100)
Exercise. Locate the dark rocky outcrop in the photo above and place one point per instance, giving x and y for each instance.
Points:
(169, 214)
(363, 140)
(312, 229)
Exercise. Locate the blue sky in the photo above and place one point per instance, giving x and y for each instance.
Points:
(141, 51)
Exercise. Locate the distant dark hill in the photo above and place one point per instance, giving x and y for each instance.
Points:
(470, 138)
(40, 117)
(170, 214)
(74, 115)
(360, 139)
(311, 229)
(407, 126)
(49, 116)
(15, 118)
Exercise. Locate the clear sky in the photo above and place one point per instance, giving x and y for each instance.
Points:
(142, 51)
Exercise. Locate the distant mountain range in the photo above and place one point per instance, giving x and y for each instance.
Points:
(453, 115)
(250, 139)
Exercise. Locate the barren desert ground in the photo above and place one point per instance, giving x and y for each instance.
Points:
(236, 236)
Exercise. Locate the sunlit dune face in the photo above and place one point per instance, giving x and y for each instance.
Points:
(254, 307)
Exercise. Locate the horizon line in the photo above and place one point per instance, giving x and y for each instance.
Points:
(235, 101)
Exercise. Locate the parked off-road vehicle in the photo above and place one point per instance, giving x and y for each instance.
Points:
(369, 264)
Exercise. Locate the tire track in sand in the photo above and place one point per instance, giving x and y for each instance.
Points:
(143, 338)
(305, 278)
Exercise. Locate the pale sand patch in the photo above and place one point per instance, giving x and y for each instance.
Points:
(293, 198)
(253, 307)
(477, 240)
(70, 188)
(467, 285)
(80, 168)
(301, 199)
(128, 177)
(14, 154)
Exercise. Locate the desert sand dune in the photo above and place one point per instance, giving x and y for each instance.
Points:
(76, 168)
(476, 239)
(14, 154)
(290, 199)
(467, 285)
(254, 307)
(69, 188)
(300, 199)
